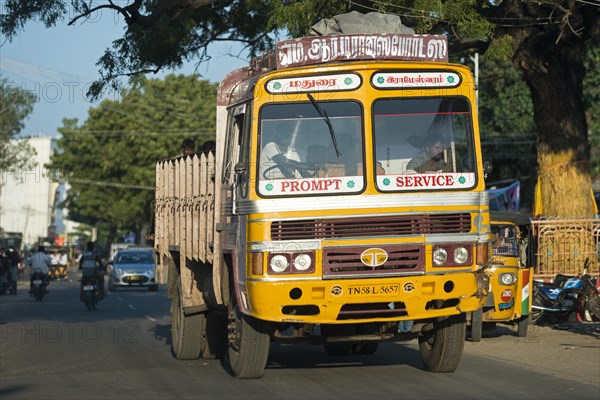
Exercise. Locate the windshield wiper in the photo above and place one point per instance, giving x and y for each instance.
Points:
(325, 117)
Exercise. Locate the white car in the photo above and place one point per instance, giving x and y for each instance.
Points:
(133, 268)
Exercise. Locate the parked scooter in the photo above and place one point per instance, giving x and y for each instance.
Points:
(89, 292)
(38, 285)
(565, 295)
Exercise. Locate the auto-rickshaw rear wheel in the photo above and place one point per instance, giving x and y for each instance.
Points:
(522, 324)
(476, 325)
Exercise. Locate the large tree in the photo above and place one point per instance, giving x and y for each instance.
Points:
(109, 160)
(545, 39)
(15, 105)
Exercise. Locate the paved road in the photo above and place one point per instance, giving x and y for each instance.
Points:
(57, 349)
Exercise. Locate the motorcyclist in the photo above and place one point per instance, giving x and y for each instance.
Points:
(13, 268)
(91, 266)
(42, 261)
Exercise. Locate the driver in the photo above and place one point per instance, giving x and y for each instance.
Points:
(431, 158)
(279, 160)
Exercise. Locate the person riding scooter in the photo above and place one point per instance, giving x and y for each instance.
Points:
(39, 261)
(91, 266)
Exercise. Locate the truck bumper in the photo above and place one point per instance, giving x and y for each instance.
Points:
(360, 300)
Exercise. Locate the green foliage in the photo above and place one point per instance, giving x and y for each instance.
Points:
(16, 13)
(507, 126)
(504, 99)
(163, 34)
(15, 105)
(501, 48)
(109, 160)
(296, 17)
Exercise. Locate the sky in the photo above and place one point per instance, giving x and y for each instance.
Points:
(57, 64)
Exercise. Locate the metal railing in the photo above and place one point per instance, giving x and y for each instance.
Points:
(565, 246)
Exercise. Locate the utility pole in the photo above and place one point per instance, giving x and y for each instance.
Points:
(28, 210)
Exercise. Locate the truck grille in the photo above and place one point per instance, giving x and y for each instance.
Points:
(371, 226)
(346, 261)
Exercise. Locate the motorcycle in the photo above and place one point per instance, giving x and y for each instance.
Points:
(565, 295)
(89, 292)
(38, 289)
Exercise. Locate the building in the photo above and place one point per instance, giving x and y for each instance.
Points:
(28, 197)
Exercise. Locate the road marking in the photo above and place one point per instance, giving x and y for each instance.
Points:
(150, 318)
(132, 307)
(120, 298)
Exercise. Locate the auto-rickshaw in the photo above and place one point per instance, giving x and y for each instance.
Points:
(511, 276)
(60, 263)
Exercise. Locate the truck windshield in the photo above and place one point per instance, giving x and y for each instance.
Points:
(296, 152)
(423, 144)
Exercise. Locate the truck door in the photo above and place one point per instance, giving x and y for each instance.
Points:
(235, 182)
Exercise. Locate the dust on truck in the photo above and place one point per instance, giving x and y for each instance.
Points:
(340, 242)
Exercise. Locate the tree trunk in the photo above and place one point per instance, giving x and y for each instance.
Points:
(554, 73)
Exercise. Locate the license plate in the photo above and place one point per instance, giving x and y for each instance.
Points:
(135, 278)
(372, 290)
(37, 282)
(88, 287)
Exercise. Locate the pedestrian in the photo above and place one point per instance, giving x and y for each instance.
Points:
(188, 147)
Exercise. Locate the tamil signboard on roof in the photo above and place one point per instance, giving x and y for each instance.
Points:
(386, 46)
(331, 82)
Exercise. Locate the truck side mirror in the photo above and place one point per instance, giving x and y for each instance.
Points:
(240, 168)
(487, 169)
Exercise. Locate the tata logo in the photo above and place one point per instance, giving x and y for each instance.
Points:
(373, 257)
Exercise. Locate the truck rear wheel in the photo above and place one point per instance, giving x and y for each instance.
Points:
(187, 331)
(442, 348)
(215, 336)
(249, 342)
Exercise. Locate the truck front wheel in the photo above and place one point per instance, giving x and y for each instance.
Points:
(187, 331)
(442, 347)
(249, 341)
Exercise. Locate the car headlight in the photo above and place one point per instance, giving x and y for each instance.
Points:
(507, 278)
(150, 272)
(461, 255)
(302, 262)
(279, 263)
(119, 271)
(440, 256)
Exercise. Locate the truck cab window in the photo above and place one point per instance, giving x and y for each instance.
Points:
(429, 136)
(296, 152)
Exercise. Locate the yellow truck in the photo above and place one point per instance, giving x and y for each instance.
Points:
(344, 205)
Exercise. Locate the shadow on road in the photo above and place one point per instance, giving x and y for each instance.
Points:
(162, 333)
(12, 390)
(313, 356)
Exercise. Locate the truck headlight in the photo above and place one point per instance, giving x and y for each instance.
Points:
(507, 278)
(461, 255)
(279, 263)
(302, 262)
(440, 255)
